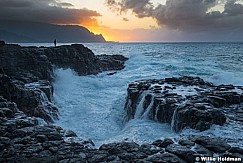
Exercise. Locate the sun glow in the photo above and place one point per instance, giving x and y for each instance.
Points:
(127, 27)
(102, 30)
(111, 25)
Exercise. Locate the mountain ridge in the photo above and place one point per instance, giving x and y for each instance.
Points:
(37, 32)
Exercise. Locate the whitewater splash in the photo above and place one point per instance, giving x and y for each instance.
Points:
(93, 106)
(41, 89)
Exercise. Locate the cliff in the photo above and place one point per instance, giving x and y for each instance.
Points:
(27, 73)
(19, 31)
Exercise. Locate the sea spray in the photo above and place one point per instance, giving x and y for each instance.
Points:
(93, 107)
(175, 119)
(80, 98)
(45, 104)
(140, 106)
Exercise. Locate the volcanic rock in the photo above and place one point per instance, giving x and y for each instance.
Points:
(23, 140)
(213, 144)
(26, 74)
(182, 102)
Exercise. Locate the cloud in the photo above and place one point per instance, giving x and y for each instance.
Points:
(49, 11)
(125, 19)
(66, 4)
(186, 15)
(141, 8)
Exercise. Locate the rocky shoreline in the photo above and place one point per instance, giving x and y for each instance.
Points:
(27, 73)
(24, 140)
(26, 76)
(184, 102)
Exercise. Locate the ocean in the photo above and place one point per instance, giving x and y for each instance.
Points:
(93, 106)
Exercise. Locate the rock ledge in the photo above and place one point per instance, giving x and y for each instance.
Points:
(183, 102)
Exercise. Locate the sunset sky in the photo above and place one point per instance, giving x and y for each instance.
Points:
(138, 20)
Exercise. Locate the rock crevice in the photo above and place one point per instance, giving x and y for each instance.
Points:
(181, 102)
(23, 140)
(26, 74)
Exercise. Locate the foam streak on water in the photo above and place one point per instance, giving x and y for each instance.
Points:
(93, 106)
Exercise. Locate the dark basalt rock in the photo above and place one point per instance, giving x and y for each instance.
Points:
(236, 150)
(182, 102)
(2, 43)
(25, 64)
(163, 143)
(36, 63)
(186, 142)
(112, 62)
(166, 158)
(213, 144)
(182, 152)
(26, 88)
(26, 73)
(34, 98)
(203, 151)
(231, 157)
(23, 140)
(82, 60)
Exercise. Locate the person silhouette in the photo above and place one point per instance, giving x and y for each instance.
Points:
(55, 42)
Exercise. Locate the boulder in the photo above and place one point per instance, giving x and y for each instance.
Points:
(165, 158)
(2, 43)
(213, 144)
(186, 142)
(236, 150)
(163, 143)
(182, 152)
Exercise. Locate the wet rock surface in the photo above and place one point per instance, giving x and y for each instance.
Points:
(184, 102)
(23, 140)
(82, 60)
(34, 99)
(26, 76)
(36, 63)
(26, 73)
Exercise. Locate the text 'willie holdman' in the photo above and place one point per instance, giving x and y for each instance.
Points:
(220, 159)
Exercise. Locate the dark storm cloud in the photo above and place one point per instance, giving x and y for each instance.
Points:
(14, 3)
(233, 9)
(191, 15)
(50, 11)
(183, 14)
(141, 8)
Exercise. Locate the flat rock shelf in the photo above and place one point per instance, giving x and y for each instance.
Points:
(184, 102)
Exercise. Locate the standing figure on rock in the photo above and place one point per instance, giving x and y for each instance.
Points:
(55, 42)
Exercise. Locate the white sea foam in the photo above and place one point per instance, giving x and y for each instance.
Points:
(93, 106)
(180, 90)
(231, 132)
(235, 78)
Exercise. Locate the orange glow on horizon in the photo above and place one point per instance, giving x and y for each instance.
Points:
(118, 35)
(106, 33)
